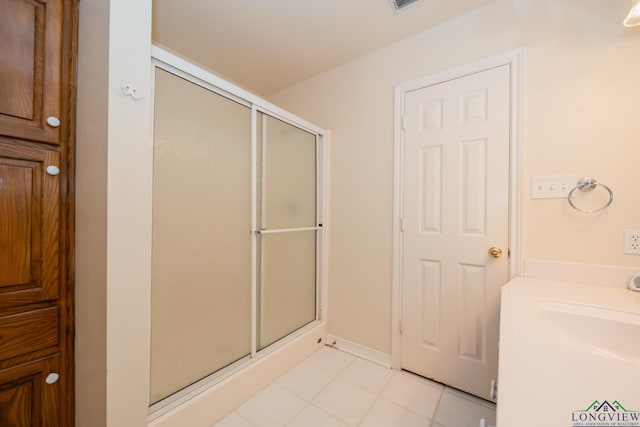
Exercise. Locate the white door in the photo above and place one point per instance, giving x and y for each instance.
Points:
(455, 209)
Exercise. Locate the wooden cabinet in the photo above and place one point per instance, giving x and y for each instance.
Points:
(31, 69)
(37, 83)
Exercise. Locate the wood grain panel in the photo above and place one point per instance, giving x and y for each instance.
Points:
(17, 42)
(26, 397)
(29, 197)
(15, 225)
(26, 332)
(30, 66)
(18, 403)
(21, 202)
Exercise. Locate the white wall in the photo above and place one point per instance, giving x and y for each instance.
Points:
(580, 109)
(113, 205)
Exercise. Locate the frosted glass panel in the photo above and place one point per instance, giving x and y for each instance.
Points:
(287, 252)
(201, 263)
(288, 175)
(288, 284)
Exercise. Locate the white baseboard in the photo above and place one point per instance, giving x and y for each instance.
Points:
(359, 350)
(591, 274)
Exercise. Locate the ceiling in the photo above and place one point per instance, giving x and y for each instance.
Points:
(268, 45)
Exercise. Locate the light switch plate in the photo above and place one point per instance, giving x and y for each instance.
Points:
(552, 186)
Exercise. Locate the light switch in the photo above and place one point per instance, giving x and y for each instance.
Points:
(551, 186)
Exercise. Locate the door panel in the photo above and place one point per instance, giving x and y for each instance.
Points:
(201, 259)
(28, 332)
(455, 207)
(287, 175)
(287, 222)
(287, 284)
(17, 199)
(29, 225)
(26, 399)
(30, 66)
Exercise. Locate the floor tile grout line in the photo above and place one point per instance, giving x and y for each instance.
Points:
(378, 396)
(362, 388)
(333, 378)
(354, 358)
(241, 417)
(299, 412)
(435, 412)
(422, 380)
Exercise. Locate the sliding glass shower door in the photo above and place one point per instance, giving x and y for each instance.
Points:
(236, 233)
(201, 275)
(287, 221)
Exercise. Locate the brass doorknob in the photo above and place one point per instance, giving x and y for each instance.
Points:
(495, 252)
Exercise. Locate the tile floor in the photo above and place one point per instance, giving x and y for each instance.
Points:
(335, 389)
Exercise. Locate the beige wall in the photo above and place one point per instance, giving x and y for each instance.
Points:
(91, 215)
(113, 246)
(581, 71)
(580, 107)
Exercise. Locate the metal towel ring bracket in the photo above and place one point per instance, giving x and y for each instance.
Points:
(587, 184)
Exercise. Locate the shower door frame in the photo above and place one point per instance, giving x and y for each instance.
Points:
(169, 62)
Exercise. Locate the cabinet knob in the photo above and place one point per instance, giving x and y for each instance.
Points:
(53, 170)
(54, 122)
(52, 378)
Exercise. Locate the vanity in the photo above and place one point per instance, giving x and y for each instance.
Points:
(569, 355)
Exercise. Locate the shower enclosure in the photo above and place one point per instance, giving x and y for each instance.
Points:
(237, 230)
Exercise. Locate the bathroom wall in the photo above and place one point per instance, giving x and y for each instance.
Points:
(113, 207)
(580, 110)
(114, 236)
(91, 216)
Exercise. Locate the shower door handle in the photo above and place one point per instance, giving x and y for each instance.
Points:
(286, 230)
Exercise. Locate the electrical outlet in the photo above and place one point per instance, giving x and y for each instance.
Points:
(632, 242)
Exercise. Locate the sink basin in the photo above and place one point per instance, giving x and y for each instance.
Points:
(569, 355)
(605, 332)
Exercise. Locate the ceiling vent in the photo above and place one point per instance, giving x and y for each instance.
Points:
(399, 5)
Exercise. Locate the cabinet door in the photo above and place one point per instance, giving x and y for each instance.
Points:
(30, 66)
(29, 224)
(29, 395)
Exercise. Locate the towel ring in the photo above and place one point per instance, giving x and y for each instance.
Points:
(588, 184)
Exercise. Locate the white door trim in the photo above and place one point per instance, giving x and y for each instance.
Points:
(513, 58)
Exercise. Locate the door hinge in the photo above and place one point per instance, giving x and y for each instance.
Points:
(493, 391)
(404, 122)
(401, 327)
(402, 225)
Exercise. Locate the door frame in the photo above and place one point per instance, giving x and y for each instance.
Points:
(514, 59)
